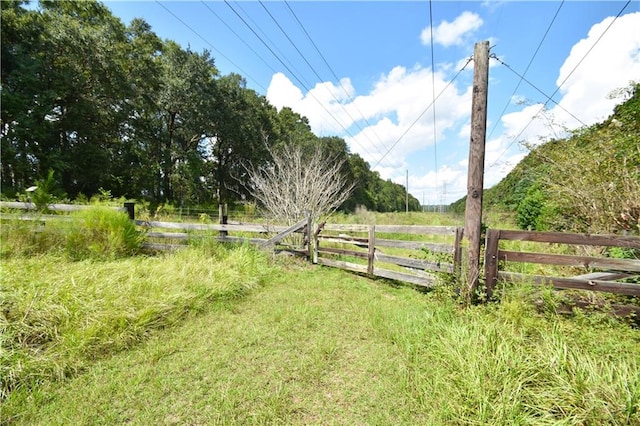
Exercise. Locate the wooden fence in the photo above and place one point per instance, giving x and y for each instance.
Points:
(383, 246)
(596, 273)
(410, 253)
(173, 235)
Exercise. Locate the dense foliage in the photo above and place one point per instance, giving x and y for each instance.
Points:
(105, 105)
(588, 182)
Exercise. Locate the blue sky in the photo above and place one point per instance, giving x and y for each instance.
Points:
(381, 54)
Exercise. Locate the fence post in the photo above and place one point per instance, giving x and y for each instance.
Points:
(372, 249)
(457, 253)
(491, 260)
(316, 242)
(223, 215)
(309, 237)
(131, 211)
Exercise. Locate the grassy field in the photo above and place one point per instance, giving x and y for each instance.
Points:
(219, 334)
(313, 345)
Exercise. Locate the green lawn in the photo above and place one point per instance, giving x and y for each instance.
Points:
(314, 345)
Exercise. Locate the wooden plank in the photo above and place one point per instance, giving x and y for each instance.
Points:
(345, 228)
(573, 283)
(604, 276)
(578, 261)
(416, 229)
(371, 250)
(400, 276)
(240, 240)
(290, 230)
(343, 265)
(343, 252)
(52, 207)
(38, 218)
(416, 263)
(567, 238)
(362, 242)
(416, 245)
(173, 235)
(211, 227)
(491, 259)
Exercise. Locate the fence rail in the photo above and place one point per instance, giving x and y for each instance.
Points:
(605, 280)
(410, 253)
(411, 263)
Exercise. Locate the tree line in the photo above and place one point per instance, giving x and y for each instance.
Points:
(107, 106)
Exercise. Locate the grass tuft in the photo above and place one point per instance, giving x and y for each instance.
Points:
(57, 315)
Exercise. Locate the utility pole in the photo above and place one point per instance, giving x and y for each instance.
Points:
(475, 179)
(406, 198)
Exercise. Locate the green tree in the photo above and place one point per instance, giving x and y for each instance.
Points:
(243, 128)
(185, 100)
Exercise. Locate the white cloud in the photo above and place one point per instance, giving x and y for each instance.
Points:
(611, 64)
(393, 106)
(398, 97)
(453, 33)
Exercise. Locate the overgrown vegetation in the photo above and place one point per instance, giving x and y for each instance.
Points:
(589, 182)
(57, 315)
(94, 233)
(322, 346)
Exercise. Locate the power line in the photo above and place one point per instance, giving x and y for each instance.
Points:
(265, 35)
(315, 72)
(296, 77)
(433, 94)
(334, 74)
(238, 36)
(212, 46)
(526, 69)
(563, 81)
(522, 78)
(423, 112)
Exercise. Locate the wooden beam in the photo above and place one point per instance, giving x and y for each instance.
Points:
(475, 179)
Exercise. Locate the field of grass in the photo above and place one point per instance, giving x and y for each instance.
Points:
(217, 334)
(315, 345)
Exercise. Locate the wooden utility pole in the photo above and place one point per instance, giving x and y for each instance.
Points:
(406, 195)
(475, 179)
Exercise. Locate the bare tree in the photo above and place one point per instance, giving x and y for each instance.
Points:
(296, 182)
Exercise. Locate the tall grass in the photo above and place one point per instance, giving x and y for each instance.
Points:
(56, 315)
(322, 346)
(97, 233)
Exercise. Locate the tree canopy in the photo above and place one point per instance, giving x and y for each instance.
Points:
(102, 105)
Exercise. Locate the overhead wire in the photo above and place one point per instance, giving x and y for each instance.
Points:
(302, 83)
(237, 35)
(211, 45)
(335, 76)
(526, 69)
(304, 58)
(563, 82)
(522, 78)
(424, 112)
(433, 94)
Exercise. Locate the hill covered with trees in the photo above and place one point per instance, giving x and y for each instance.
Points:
(106, 106)
(588, 182)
